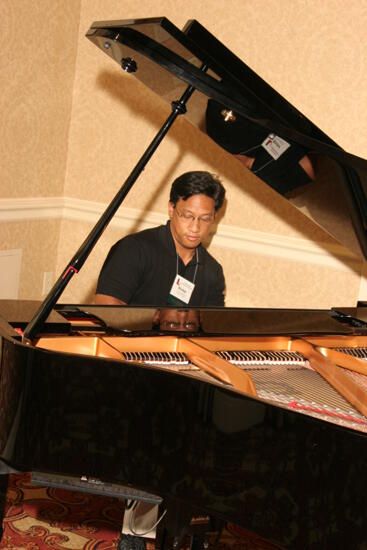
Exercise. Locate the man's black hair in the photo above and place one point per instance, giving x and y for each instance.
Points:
(195, 183)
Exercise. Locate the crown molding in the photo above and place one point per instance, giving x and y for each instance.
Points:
(230, 237)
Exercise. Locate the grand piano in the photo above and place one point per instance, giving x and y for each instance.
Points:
(253, 416)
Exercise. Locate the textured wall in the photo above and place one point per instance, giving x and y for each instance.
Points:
(312, 52)
(38, 44)
(37, 67)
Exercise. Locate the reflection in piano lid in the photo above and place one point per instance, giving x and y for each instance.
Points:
(325, 177)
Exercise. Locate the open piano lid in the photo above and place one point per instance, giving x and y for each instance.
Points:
(167, 60)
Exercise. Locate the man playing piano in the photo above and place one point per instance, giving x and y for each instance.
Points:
(167, 265)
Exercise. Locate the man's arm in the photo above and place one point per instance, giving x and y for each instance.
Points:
(306, 164)
(104, 299)
(120, 273)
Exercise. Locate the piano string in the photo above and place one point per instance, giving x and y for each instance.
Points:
(280, 375)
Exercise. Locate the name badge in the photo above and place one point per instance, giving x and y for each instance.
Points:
(182, 289)
(275, 145)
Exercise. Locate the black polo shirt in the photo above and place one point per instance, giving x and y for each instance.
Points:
(140, 270)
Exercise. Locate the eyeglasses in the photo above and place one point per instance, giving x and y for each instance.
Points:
(188, 218)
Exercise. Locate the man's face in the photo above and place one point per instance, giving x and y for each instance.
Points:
(191, 220)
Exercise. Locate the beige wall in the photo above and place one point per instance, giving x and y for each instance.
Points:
(89, 123)
(37, 67)
(38, 44)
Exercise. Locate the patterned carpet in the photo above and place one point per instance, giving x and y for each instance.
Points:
(40, 518)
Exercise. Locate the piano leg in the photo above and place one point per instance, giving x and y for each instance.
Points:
(200, 533)
(180, 522)
(174, 526)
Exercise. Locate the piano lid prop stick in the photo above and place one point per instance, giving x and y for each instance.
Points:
(36, 323)
(340, 381)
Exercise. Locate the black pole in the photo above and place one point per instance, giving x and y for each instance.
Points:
(76, 263)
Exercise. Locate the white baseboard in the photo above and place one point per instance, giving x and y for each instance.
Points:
(229, 237)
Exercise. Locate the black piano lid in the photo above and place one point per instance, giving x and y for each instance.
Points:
(138, 321)
(142, 320)
(168, 60)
